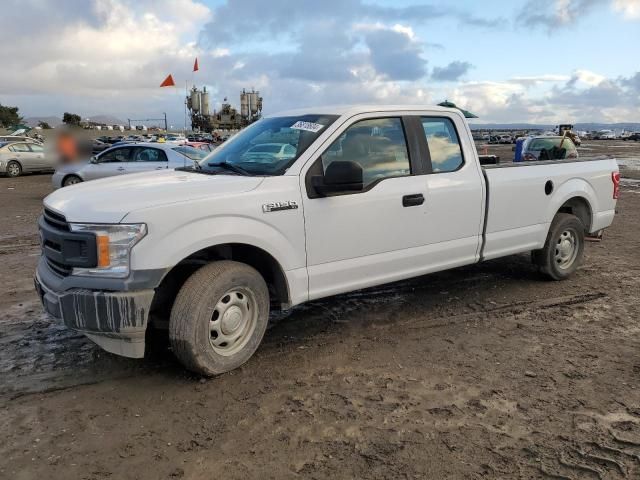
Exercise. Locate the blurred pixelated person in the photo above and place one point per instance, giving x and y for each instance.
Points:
(67, 148)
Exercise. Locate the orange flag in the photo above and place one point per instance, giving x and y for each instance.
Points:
(195, 65)
(168, 82)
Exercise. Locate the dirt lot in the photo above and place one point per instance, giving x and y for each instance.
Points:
(486, 371)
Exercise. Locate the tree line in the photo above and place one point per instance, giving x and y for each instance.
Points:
(10, 116)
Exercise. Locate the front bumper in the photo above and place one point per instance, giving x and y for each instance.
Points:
(115, 320)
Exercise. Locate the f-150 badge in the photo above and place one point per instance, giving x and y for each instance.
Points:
(277, 206)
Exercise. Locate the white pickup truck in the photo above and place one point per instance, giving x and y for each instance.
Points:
(299, 206)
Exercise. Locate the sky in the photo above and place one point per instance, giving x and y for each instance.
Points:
(508, 61)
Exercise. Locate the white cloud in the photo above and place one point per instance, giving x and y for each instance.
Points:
(539, 79)
(630, 9)
(109, 56)
(585, 77)
(220, 52)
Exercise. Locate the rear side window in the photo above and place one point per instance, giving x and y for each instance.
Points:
(377, 145)
(443, 143)
(553, 148)
(149, 154)
(19, 147)
(36, 148)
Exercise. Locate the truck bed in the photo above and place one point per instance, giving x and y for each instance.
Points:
(522, 199)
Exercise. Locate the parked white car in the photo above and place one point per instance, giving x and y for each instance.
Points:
(17, 158)
(269, 152)
(206, 252)
(19, 138)
(124, 159)
(176, 139)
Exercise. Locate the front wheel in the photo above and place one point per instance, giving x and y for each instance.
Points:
(563, 250)
(71, 180)
(219, 317)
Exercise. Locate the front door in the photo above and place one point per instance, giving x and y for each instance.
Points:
(111, 162)
(354, 239)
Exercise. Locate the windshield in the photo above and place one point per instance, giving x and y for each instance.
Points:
(267, 147)
(192, 153)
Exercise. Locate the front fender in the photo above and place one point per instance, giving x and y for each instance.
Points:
(166, 249)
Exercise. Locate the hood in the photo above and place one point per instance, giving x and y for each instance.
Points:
(108, 200)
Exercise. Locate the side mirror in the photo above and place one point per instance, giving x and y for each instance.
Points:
(341, 176)
(93, 159)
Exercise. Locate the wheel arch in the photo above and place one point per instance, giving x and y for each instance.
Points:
(256, 257)
(576, 197)
(72, 174)
(580, 207)
(16, 161)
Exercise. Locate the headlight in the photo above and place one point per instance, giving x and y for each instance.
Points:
(113, 246)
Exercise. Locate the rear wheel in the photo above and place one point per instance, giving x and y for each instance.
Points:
(71, 180)
(219, 317)
(563, 250)
(14, 169)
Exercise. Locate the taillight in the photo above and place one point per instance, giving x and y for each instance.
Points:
(615, 178)
(528, 157)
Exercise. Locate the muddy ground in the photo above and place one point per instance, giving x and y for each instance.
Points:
(486, 371)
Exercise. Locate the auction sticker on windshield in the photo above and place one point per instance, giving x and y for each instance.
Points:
(307, 126)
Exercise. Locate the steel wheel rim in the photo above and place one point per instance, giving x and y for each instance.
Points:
(13, 169)
(233, 321)
(566, 249)
(71, 181)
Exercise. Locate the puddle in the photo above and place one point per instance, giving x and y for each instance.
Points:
(38, 354)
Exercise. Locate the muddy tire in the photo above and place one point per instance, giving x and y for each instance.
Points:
(563, 249)
(219, 317)
(14, 169)
(71, 180)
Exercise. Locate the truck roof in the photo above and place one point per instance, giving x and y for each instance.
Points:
(361, 108)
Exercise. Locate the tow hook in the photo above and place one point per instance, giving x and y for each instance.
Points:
(596, 237)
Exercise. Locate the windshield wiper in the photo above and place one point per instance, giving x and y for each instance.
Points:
(231, 167)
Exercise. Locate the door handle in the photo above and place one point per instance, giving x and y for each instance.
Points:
(412, 200)
(120, 169)
(160, 168)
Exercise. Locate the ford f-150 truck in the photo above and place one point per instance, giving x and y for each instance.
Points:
(296, 207)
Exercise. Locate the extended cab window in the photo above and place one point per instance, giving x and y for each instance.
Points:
(377, 145)
(444, 146)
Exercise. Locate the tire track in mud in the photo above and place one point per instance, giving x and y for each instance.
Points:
(15, 244)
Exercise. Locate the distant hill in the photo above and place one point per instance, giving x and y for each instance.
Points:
(34, 121)
(106, 120)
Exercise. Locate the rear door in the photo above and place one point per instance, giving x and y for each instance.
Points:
(145, 159)
(110, 163)
(454, 216)
(39, 158)
(23, 154)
